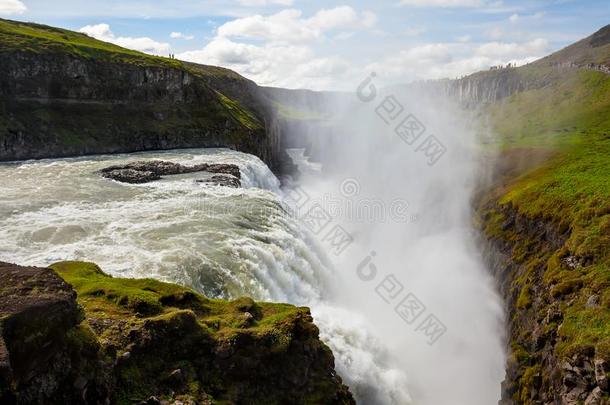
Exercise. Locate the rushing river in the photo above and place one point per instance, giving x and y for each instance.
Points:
(221, 241)
(383, 250)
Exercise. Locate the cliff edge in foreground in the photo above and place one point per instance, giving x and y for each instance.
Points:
(74, 335)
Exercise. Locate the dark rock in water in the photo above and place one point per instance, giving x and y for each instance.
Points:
(222, 180)
(131, 176)
(223, 168)
(147, 171)
(158, 167)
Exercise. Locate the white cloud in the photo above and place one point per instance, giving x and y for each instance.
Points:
(443, 3)
(512, 51)
(413, 63)
(278, 49)
(343, 36)
(328, 19)
(179, 35)
(369, 19)
(143, 44)
(288, 26)
(514, 18)
(450, 60)
(10, 7)
(281, 65)
(495, 33)
(261, 3)
(414, 31)
(286, 49)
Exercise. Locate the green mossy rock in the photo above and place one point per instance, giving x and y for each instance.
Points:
(127, 340)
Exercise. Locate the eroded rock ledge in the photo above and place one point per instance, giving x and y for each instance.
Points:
(130, 341)
(147, 171)
(540, 279)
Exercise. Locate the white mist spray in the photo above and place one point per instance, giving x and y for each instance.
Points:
(399, 170)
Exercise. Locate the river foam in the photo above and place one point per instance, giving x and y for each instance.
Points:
(220, 241)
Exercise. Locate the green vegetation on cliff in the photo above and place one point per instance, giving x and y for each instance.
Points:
(29, 37)
(64, 93)
(137, 299)
(169, 341)
(16, 36)
(554, 224)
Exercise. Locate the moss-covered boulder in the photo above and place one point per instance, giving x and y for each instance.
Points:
(129, 340)
(47, 353)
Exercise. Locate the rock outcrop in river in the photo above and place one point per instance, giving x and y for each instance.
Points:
(147, 171)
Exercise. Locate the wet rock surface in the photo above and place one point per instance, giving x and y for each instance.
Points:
(221, 180)
(131, 176)
(147, 171)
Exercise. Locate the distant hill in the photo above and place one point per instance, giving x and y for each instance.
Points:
(593, 50)
(591, 53)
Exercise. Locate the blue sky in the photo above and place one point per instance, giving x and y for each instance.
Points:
(330, 44)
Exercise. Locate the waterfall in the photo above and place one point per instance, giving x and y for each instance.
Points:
(396, 176)
(222, 242)
(407, 224)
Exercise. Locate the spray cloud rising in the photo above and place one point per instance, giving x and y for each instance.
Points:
(380, 244)
(389, 197)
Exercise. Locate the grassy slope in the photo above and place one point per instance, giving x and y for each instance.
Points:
(41, 39)
(571, 119)
(37, 38)
(576, 105)
(135, 304)
(136, 299)
(29, 37)
(594, 49)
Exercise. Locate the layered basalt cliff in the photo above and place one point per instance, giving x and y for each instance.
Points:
(546, 365)
(548, 243)
(65, 94)
(500, 82)
(546, 222)
(74, 335)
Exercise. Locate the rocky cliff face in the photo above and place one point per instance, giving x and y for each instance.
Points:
(485, 87)
(544, 367)
(493, 85)
(63, 93)
(142, 341)
(55, 105)
(591, 53)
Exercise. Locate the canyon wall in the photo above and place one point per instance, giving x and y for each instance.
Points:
(58, 105)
